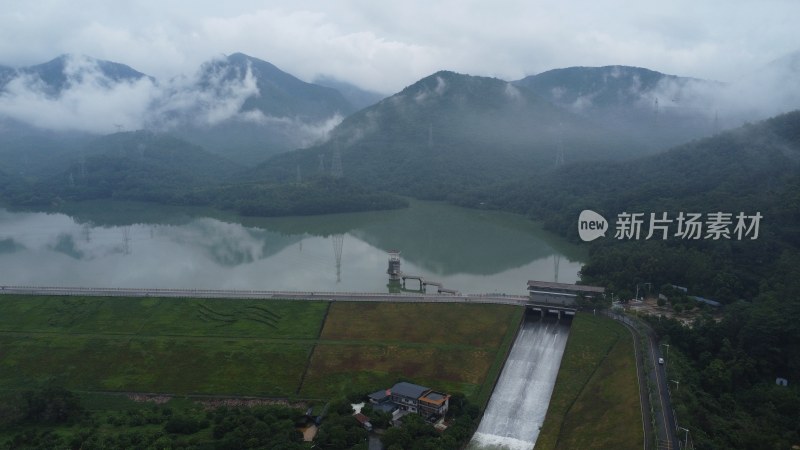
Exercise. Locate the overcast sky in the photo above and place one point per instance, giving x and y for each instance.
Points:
(386, 45)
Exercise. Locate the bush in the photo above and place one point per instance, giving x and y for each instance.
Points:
(183, 425)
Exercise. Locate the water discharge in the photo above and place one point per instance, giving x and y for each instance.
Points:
(519, 402)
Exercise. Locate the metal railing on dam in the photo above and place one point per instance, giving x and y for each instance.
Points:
(266, 295)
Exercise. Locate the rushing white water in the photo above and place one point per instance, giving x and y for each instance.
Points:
(519, 402)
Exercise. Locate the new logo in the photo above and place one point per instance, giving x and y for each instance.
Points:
(591, 225)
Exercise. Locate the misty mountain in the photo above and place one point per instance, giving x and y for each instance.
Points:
(279, 93)
(752, 168)
(257, 110)
(75, 93)
(788, 63)
(130, 165)
(239, 106)
(357, 97)
(33, 153)
(765, 91)
(62, 72)
(448, 132)
(660, 110)
(159, 168)
(163, 151)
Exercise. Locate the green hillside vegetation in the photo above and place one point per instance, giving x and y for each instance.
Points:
(728, 395)
(159, 168)
(157, 345)
(108, 351)
(35, 154)
(285, 349)
(448, 133)
(727, 370)
(60, 419)
(320, 195)
(595, 402)
(750, 169)
(280, 94)
(658, 110)
(453, 347)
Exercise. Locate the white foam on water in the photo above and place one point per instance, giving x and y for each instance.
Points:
(516, 410)
(494, 442)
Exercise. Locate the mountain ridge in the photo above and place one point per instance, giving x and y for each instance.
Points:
(58, 73)
(450, 128)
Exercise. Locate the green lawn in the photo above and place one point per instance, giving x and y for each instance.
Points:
(447, 346)
(595, 402)
(152, 364)
(266, 348)
(176, 346)
(162, 316)
(430, 323)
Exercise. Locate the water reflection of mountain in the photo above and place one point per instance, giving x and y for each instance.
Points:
(9, 245)
(231, 244)
(447, 240)
(109, 213)
(436, 237)
(66, 244)
(97, 234)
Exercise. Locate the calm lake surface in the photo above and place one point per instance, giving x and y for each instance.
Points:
(124, 244)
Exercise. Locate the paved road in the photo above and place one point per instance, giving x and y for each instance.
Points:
(658, 377)
(666, 439)
(664, 416)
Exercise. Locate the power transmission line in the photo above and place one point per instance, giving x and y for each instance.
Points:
(336, 162)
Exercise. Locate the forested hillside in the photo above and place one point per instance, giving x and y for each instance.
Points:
(726, 368)
(660, 110)
(449, 133)
(750, 169)
(163, 169)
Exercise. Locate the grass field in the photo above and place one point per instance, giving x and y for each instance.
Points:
(177, 346)
(249, 347)
(430, 323)
(452, 347)
(162, 316)
(595, 402)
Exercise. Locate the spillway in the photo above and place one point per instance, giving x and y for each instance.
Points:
(516, 410)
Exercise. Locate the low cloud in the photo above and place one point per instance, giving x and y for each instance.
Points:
(307, 133)
(766, 92)
(772, 90)
(214, 95)
(90, 101)
(438, 90)
(512, 92)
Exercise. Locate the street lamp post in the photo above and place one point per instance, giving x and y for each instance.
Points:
(677, 384)
(666, 345)
(686, 441)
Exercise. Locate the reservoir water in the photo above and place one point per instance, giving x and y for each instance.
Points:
(520, 399)
(123, 244)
